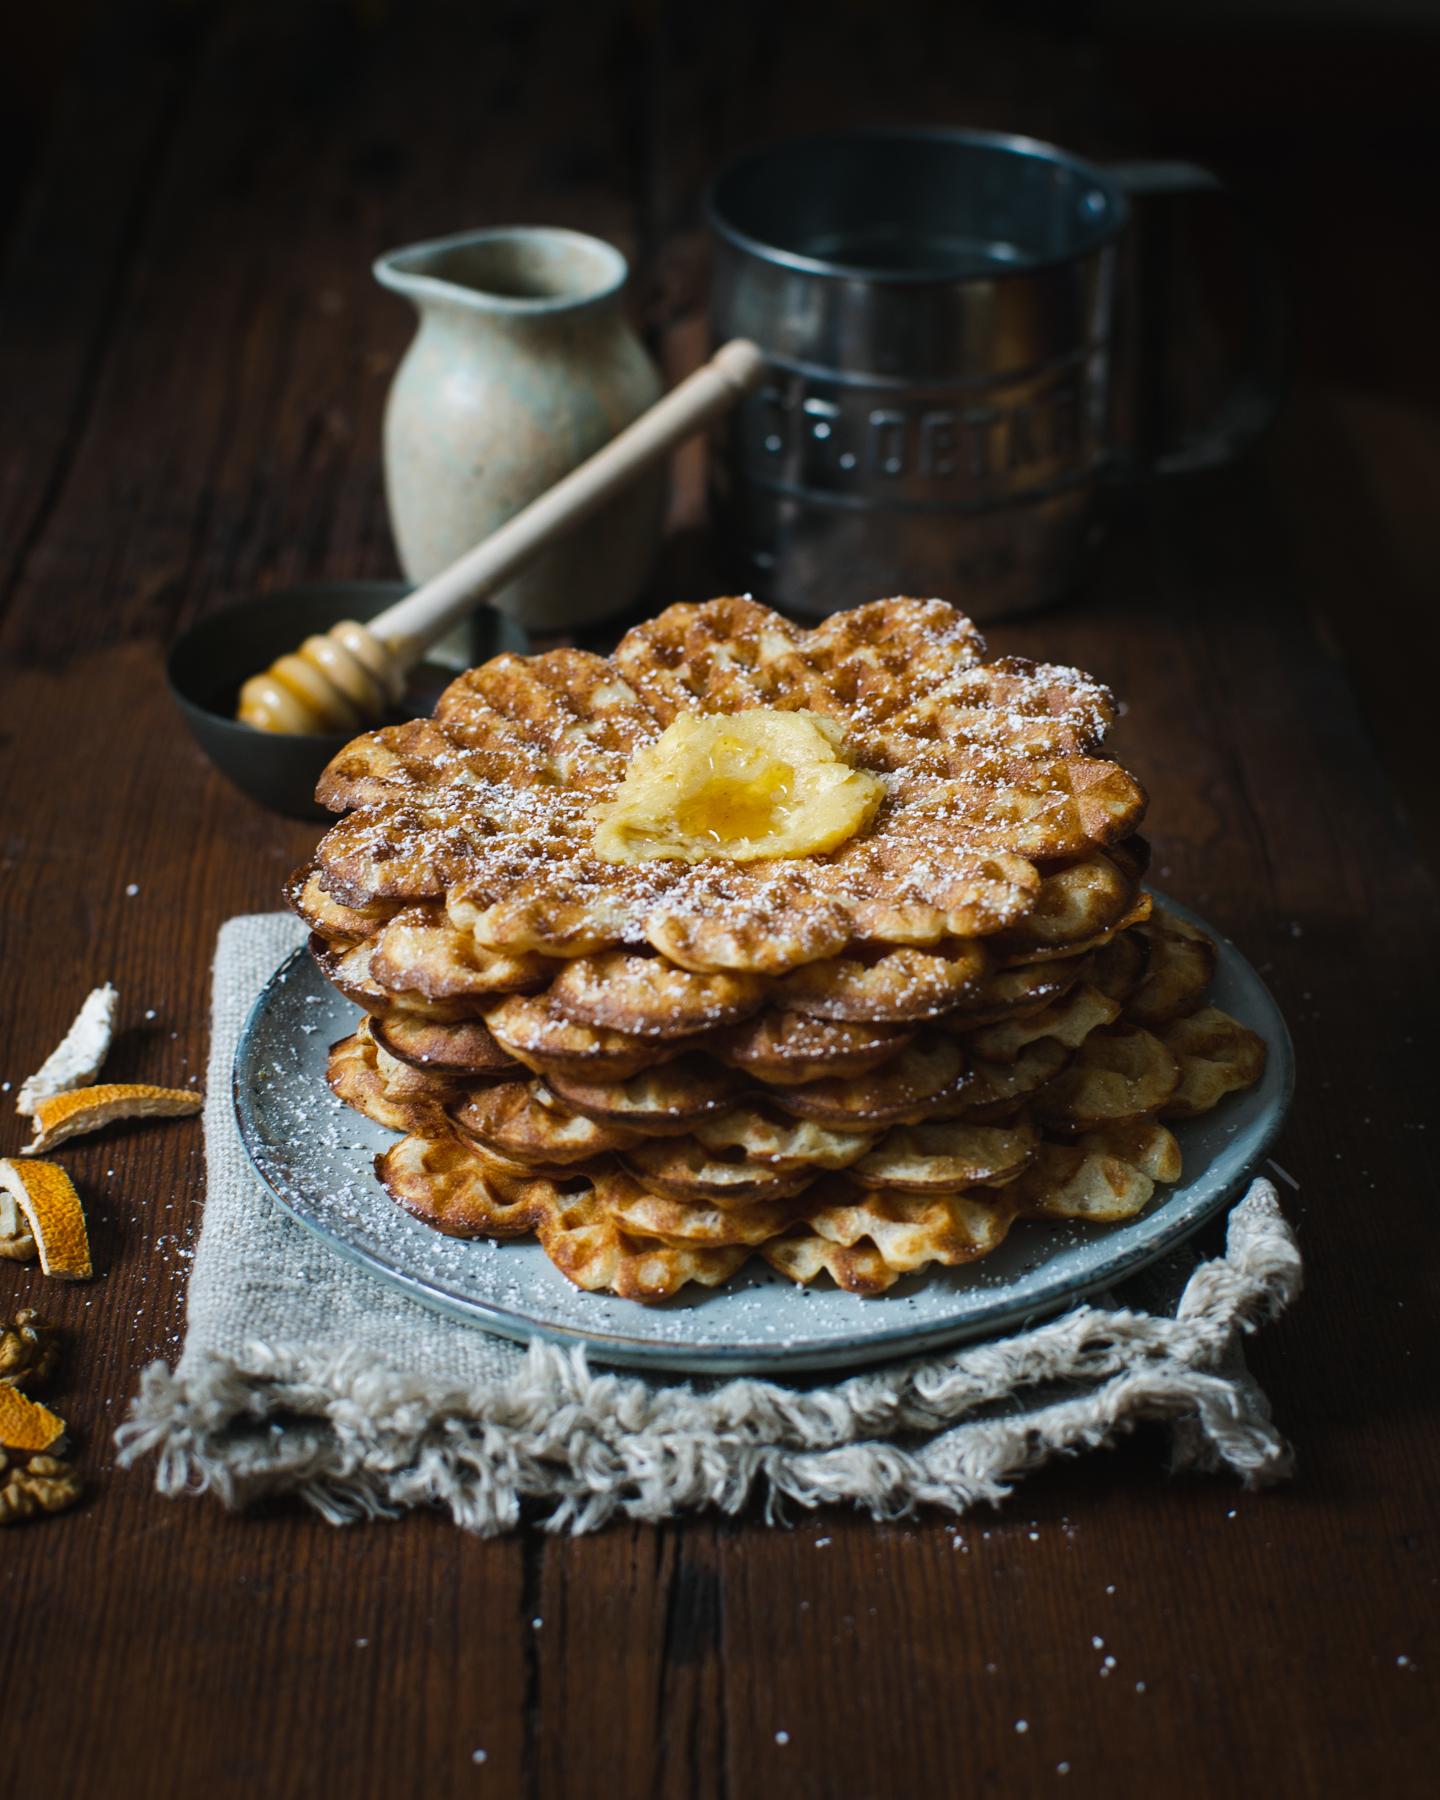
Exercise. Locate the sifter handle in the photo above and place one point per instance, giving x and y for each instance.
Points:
(1255, 399)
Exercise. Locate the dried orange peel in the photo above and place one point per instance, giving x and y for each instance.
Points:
(26, 1425)
(46, 1195)
(67, 1115)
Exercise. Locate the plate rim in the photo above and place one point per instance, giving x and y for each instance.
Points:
(864, 1349)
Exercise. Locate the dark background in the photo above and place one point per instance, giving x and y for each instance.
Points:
(1325, 114)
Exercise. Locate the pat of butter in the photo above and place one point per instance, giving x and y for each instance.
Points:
(738, 785)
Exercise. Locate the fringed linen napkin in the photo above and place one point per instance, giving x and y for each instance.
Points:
(303, 1374)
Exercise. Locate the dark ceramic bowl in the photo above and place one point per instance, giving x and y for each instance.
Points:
(208, 666)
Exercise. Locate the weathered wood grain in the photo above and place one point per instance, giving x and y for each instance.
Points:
(205, 421)
(71, 252)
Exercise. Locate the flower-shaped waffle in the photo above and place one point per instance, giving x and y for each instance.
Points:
(487, 807)
(676, 1174)
(948, 1009)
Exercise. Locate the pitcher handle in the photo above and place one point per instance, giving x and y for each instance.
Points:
(1255, 399)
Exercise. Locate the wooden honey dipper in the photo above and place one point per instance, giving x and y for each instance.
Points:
(349, 676)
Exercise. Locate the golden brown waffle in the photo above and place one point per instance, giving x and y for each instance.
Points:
(1014, 992)
(862, 1060)
(937, 1193)
(860, 666)
(442, 1182)
(866, 1241)
(1069, 1022)
(947, 1156)
(327, 916)
(347, 967)
(1120, 1073)
(888, 987)
(748, 1154)
(389, 1092)
(648, 996)
(988, 1091)
(486, 806)
(521, 1120)
(1075, 904)
(1015, 953)
(764, 1135)
(1068, 1182)
(786, 1048)
(660, 1102)
(1146, 1145)
(1178, 967)
(1118, 969)
(770, 931)
(463, 1049)
(420, 952)
(695, 1224)
(903, 1090)
(683, 1169)
(528, 1029)
(1217, 1056)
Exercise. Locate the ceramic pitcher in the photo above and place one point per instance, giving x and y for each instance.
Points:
(523, 366)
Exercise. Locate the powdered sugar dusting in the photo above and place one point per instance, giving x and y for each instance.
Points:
(988, 767)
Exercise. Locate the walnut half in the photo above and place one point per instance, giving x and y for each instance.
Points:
(45, 1484)
(29, 1349)
(17, 1242)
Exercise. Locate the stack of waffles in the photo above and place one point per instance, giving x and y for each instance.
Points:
(667, 1048)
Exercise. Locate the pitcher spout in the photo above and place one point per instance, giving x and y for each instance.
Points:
(519, 270)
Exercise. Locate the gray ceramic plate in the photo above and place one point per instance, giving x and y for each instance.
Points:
(315, 1155)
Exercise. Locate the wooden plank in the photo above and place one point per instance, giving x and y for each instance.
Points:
(271, 1655)
(1354, 481)
(70, 256)
(645, 1604)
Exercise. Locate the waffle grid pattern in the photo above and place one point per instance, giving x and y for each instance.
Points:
(856, 1064)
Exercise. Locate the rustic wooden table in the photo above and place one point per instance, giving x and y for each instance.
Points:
(193, 359)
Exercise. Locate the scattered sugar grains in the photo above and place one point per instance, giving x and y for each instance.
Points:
(477, 1756)
(1022, 1724)
(782, 1737)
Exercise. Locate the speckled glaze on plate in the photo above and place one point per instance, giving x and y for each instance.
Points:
(316, 1156)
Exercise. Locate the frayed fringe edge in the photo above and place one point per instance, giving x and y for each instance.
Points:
(356, 1439)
